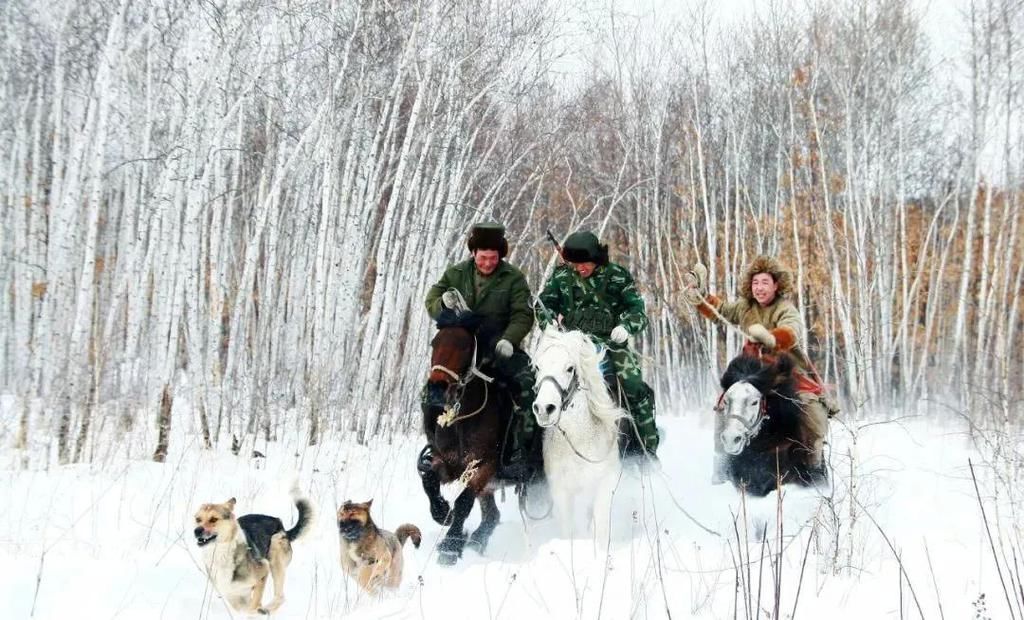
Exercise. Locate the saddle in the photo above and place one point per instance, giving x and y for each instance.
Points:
(804, 382)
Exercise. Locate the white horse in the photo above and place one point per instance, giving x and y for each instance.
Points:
(581, 436)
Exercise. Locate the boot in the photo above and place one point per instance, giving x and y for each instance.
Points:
(424, 462)
(525, 459)
(517, 468)
(535, 455)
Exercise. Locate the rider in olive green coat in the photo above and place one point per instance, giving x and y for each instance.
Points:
(499, 293)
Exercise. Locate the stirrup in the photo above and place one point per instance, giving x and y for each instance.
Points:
(425, 461)
(517, 470)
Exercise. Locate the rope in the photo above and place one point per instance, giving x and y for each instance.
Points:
(739, 330)
(451, 417)
(613, 444)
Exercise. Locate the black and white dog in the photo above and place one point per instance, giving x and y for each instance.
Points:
(240, 553)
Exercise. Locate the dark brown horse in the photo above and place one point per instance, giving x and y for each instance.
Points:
(465, 423)
(762, 429)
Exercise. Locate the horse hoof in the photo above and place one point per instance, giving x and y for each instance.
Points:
(445, 558)
(450, 550)
(477, 545)
(440, 512)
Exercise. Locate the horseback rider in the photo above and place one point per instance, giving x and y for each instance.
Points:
(599, 298)
(773, 324)
(498, 292)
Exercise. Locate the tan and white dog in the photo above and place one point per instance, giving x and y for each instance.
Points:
(372, 556)
(240, 553)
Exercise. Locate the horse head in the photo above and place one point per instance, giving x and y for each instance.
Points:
(568, 364)
(749, 385)
(452, 348)
(455, 357)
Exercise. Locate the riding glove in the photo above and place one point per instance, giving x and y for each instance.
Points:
(451, 300)
(697, 278)
(759, 333)
(503, 349)
(619, 334)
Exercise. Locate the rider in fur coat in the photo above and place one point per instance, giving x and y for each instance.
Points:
(764, 311)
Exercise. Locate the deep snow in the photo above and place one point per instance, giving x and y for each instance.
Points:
(113, 540)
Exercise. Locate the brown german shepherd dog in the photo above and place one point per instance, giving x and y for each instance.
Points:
(371, 555)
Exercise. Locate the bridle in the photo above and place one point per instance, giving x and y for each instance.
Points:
(751, 428)
(473, 370)
(566, 394)
(451, 414)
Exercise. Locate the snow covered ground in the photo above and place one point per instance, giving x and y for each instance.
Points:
(113, 540)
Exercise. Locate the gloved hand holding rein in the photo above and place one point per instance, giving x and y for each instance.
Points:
(696, 284)
(619, 334)
(759, 333)
(503, 349)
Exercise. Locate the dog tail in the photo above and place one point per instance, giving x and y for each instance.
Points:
(305, 520)
(408, 530)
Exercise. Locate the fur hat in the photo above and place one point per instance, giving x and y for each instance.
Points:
(584, 247)
(766, 264)
(488, 236)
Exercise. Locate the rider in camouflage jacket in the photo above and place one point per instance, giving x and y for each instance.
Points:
(599, 298)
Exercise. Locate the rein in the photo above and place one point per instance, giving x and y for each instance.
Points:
(473, 370)
(451, 416)
(567, 394)
(752, 428)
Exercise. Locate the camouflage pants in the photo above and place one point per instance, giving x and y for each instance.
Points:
(639, 395)
(518, 374)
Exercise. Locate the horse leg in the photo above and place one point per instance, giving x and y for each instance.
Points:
(439, 507)
(602, 508)
(562, 501)
(450, 548)
(488, 521)
(815, 425)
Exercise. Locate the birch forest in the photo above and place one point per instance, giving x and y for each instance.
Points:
(220, 217)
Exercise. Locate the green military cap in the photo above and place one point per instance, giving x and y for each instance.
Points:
(584, 247)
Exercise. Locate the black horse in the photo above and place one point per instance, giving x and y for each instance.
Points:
(466, 419)
(761, 429)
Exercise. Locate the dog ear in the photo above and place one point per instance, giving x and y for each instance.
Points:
(231, 504)
(368, 503)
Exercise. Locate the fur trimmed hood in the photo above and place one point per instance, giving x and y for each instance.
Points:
(766, 264)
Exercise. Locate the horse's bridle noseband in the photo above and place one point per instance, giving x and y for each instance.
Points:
(752, 429)
(463, 380)
(566, 394)
(458, 387)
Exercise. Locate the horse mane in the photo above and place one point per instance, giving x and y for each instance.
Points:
(582, 348)
(472, 322)
(775, 381)
(465, 320)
